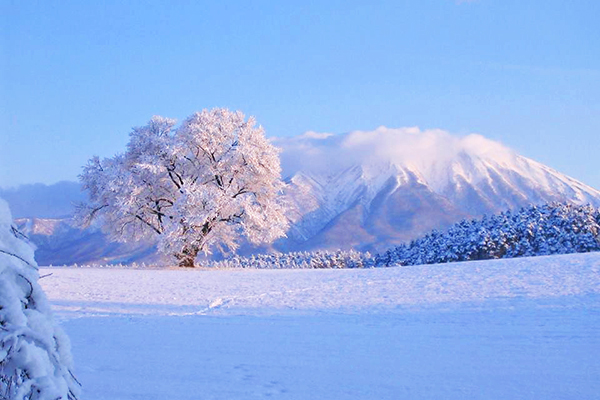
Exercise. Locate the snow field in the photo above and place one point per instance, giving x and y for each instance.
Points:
(508, 353)
(88, 291)
(524, 328)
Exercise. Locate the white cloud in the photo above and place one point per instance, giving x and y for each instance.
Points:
(316, 135)
(409, 146)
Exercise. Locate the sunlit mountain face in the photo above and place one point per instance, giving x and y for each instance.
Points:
(368, 190)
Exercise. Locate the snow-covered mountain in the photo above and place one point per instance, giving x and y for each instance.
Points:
(391, 185)
(365, 190)
(60, 242)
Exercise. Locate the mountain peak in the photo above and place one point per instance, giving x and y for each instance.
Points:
(408, 147)
(390, 185)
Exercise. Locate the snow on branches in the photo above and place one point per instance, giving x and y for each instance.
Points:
(531, 231)
(35, 359)
(200, 186)
(299, 260)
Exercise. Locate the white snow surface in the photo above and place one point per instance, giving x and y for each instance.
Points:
(524, 328)
(106, 291)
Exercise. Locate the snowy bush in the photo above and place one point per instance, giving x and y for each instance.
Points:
(533, 231)
(298, 260)
(293, 260)
(35, 359)
(133, 265)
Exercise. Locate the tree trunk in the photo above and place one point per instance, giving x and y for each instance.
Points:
(187, 258)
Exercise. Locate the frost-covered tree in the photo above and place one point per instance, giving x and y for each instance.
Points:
(531, 231)
(298, 260)
(193, 188)
(35, 359)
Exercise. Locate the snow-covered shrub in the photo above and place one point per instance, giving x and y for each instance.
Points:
(35, 358)
(133, 265)
(532, 231)
(298, 260)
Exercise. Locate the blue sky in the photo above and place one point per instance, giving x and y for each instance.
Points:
(75, 76)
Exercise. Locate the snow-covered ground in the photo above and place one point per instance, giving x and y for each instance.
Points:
(510, 329)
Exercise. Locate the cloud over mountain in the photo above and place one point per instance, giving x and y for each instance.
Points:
(409, 146)
(369, 189)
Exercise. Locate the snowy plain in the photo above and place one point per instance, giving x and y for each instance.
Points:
(525, 328)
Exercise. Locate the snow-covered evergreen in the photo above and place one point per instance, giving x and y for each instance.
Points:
(35, 358)
(554, 228)
(298, 260)
(292, 260)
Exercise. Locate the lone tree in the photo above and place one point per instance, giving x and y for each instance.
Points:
(194, 188)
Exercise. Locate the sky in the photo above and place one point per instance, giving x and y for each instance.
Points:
(76, 76)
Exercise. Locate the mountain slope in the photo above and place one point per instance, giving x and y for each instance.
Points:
(59, 242)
